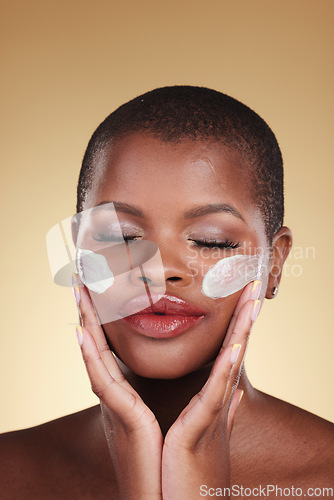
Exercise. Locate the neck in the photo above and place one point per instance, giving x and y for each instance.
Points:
(168, 397)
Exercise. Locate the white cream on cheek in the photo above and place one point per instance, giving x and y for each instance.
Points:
(226, 277)
(94, 271)
(231, 274)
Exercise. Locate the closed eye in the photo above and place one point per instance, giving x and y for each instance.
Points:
(202, 243)
(216, 244)
(113, 237)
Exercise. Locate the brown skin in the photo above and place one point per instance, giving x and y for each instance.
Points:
(144, 172)
(272, 442)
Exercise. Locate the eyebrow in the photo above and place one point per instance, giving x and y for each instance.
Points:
(189, 214)
(123, 207)
(211, 209)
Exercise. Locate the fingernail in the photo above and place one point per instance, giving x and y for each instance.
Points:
(256, 309)
(76, 292)
(78, 330)
(235, 352)
(256, 290)
(76, 281)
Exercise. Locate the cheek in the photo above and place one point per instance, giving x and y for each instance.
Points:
(199, 260)
(231, 274)
(222, 310)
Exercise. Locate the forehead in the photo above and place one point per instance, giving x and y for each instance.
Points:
(148, 170)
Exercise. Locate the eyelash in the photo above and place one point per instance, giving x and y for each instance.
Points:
(203, 243)
(216, 244)
(111, 237)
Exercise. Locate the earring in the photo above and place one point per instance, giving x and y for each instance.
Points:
(274, 291)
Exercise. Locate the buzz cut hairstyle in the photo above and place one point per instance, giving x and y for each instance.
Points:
(189, 113)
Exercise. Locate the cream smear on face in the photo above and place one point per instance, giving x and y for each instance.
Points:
(94, 271)
(231, 274)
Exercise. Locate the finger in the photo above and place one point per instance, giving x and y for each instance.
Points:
(213, 394)
(238, 341)
(233, 408)
(251, 292)
(209, 402)
(221, 382)
(86, 308)
(244, 322)
(106, 388)
(240, 336)
(90, 321)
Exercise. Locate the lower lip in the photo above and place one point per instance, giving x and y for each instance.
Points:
(161, 326)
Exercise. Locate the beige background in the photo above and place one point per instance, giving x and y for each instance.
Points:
(65, 66)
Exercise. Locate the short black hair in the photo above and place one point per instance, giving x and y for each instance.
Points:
(184, 112)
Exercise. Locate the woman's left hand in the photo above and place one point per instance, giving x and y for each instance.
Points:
(196, 447)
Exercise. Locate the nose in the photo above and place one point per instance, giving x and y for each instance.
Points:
(165, 269)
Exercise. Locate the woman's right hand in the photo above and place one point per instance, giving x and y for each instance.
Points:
(133, 434)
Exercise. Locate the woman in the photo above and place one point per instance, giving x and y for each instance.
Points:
(200, 175)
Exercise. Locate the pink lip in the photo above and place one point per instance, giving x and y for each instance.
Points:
(168, 317)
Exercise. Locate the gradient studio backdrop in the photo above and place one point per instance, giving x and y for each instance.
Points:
(65, 66)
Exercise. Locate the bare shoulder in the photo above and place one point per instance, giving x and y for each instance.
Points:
(301, 433)
(286, 445)
(59, 459)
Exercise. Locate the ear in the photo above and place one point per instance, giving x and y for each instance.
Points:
(281, 246)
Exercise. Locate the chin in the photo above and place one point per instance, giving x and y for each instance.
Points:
(155, 372)
(166, 366)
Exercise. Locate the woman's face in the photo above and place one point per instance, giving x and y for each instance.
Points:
(165, 182)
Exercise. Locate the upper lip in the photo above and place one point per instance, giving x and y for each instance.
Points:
(163, 304)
